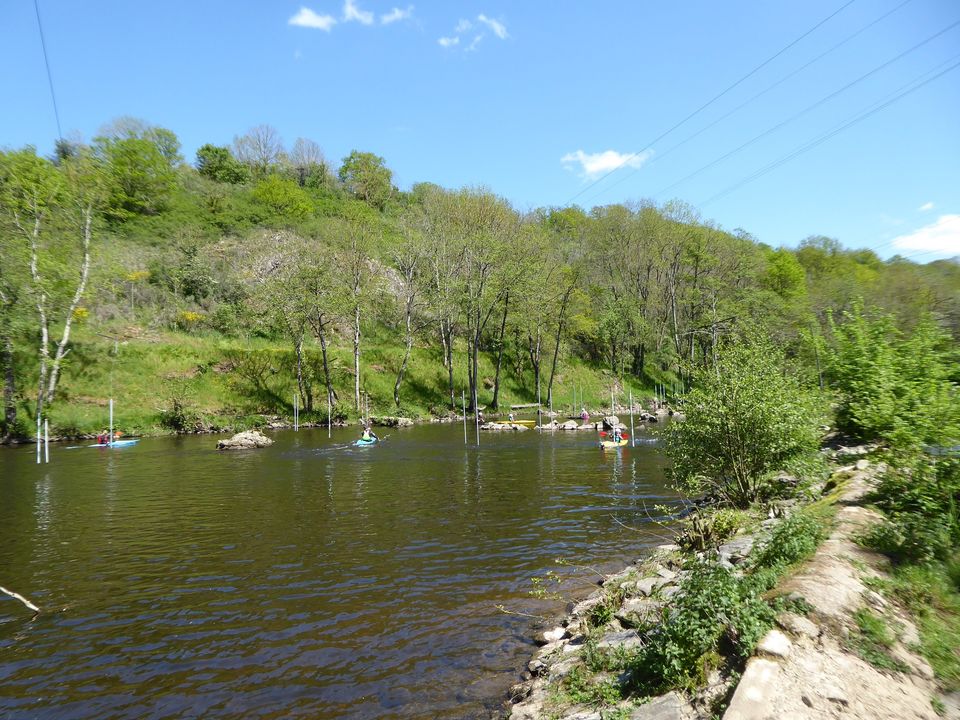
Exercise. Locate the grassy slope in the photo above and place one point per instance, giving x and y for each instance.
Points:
(212, 378)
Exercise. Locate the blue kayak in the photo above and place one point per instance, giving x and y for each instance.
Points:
(116, 443)
(363, 443)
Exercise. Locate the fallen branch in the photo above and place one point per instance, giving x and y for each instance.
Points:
(21, 598)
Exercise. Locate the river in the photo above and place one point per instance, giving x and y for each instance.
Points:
(310, 579)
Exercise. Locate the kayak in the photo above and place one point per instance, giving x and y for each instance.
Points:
(116, 443)
(525, 423)
(613, 444)
(362, 443)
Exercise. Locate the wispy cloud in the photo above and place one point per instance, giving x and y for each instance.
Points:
(498, 28)
(941, 237)
(926, 206)
(351, 12)
(307, 18)
(593, 165)
(396, 15)
(466, 26)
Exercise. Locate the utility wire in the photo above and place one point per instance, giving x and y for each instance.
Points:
(46, 61)
(665, 153)
(807, 109)
(712, 100)
(823, 138)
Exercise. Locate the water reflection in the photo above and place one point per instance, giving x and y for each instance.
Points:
(309, 579)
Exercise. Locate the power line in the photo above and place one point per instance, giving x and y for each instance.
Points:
(807, 109)
(46, 61)
(712, 100)
(823, 138)
(763, 92)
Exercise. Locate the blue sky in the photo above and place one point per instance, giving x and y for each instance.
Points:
(545, 103)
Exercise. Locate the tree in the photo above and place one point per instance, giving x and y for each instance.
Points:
(141, 178)
(367, 177)
(46, 207)
(309, 165)
(283, 197)
(218, 163)
(746, 418)
(260, 149)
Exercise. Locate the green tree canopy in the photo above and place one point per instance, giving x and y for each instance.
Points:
(367, 177)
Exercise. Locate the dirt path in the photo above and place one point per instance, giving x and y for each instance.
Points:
(806, 670)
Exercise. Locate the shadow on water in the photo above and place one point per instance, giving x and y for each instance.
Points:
(312, 578)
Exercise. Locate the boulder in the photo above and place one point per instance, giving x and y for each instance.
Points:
(610, 422)
(391, 421)
(503, 426)
(245, 441)
(569, 425)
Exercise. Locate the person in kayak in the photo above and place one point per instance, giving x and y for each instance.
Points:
(617, 434)
(584, 415)
(368, 434)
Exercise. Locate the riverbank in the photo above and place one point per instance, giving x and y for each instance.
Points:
(176, 382)
(827, 643)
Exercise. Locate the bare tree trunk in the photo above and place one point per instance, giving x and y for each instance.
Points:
(62, 349)
(533, 347)
(9, 387)
(496, 380)
(556, 347)
(356, 356)
(322, 336)
(42, 312)
(409, 345)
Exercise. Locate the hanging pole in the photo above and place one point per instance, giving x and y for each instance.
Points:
(38, 439)
(110, 439)
(463, 398)
(611, 400)
(46, 440)
(329, 413)
(633, 437)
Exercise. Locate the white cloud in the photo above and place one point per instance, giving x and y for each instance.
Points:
(473, 44)
(352, 12)
(595, 164)
(462, 26)
(449, 41)
(309, 19)
(396, 14)
(943, 236)
(925, 207)
(498, 28)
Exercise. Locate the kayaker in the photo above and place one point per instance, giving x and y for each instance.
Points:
(510, 416)
(368, 434)
(584, 415)
(616, 434)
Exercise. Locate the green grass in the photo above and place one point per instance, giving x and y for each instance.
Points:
(161, 379)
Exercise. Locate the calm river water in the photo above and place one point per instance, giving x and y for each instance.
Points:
(310, 579)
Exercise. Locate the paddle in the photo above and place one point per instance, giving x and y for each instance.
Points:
(604, 433)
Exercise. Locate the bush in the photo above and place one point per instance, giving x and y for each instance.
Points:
(746, 418)
(795, 539)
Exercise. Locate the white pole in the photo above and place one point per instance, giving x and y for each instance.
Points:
(463, 398)
(476, 412)
(110, 439)
(611, 400)
(633, 438)
(46, 440)
(38, 439)
(329, 412)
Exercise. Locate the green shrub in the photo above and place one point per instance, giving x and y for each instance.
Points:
(795, 539)
(746, 418)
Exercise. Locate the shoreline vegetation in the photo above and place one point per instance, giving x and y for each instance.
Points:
(226, 292)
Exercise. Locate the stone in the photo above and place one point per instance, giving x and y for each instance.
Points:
(798, 625)
(646, 586)
(550, 636)
(758, 686)
(834, 693)
(610, 422)
(671, 706)
(775, 644)
(666, 574)
(738, 549)
(627, 639)
(245, 441)
(637, 611)
(862, 464)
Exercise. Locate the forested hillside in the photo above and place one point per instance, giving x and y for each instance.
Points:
(205, 291)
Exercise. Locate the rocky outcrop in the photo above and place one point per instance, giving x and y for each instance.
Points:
(245, 441)
(501, 426)
(391, 421)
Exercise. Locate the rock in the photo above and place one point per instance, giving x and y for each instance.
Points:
(569, 425)
(862, 464)
(776, 644)
(758, 686)
(636, 612)
(736, 550)
(496, 426)
(671, 706)
(549, 636)
(666, 574)
(646, 586)
(627, 639)
(245, 441)
(391, 421)
(798, 625)
(610, 422)
(834, 693)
